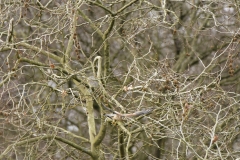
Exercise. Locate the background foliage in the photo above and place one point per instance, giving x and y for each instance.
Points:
(62, 59)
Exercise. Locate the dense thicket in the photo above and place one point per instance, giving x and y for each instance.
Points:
(60, 60)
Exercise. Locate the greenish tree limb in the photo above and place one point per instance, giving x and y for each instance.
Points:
(121, 144)
(71, 38)
(32, 140)
(120, 124)
(102, 131)
(67, 132)
(91, 23)
(65, 71)
(23, 59)
(103, 7)
(109, 11)
(74, 145)
(7, 78)
(124, 7)
(106, 48)
(90, 113)
(40, 50)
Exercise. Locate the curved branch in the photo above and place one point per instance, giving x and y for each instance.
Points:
(70, 41)
(31, 140)
(124, 7)
(103, 7)
(91, 23)
(40, 50)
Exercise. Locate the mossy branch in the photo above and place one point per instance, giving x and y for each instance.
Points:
(71, 38)
(32, 140)
(40, 50)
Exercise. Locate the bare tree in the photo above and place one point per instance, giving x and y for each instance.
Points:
(168, 70)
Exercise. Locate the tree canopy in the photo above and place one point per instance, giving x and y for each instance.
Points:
(66, 64)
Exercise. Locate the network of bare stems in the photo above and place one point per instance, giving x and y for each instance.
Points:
(166, 70)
